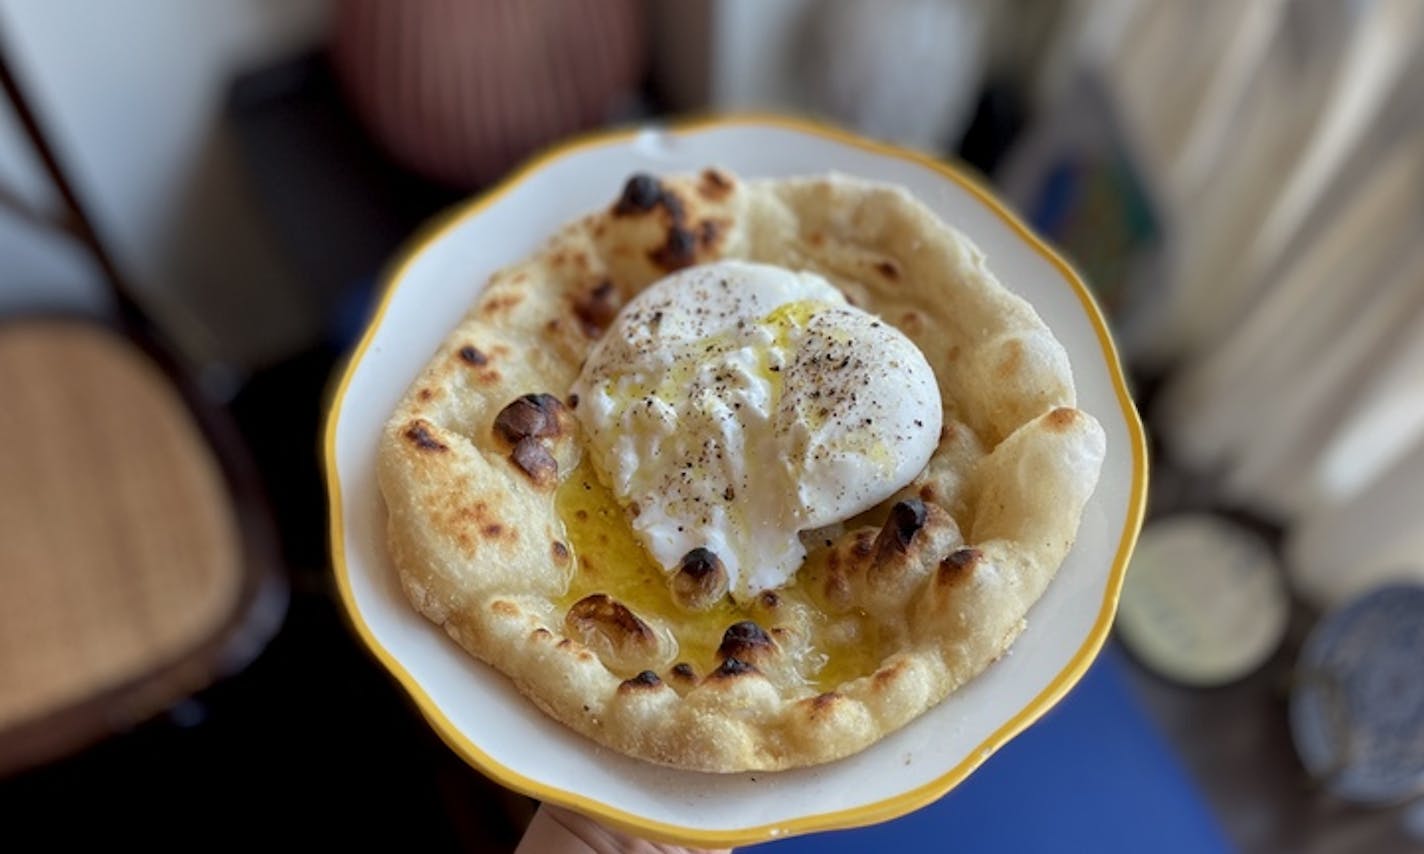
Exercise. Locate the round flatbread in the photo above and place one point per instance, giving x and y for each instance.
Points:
(892, 610)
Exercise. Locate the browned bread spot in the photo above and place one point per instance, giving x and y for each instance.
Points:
(532, 415)
(642, 193)
(889, 269)
(905, 521)
(745, 641)
(600, 615)
(957, 566)
(1012, 362)
(886, 674)
(597, 308)
(713, 185)
(500, 533)
(709, 234)
(499, 303)
(1061, 418)
(731, 668)
(821, 704)
(419, 435)
(472, 355)
(700, 581)
(534, 460)
(644, 681)
(863, 544)
(678, 250)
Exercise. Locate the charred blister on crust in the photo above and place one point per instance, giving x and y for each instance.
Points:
(713, 185)
(679, 249)
(538, 416)
(745, 641)
(534, 460)
(821, 705)
(700, 581)
(889, 673)
(709, 233)
(499, 303)
(682, 672)
(905, 521)
(1061, 418)
(596, 309)
(957, 565)
(560, 552)
(472, 355)
(599, 614)
(418, 434)
(888, 269)
(731, 668)
(644, 681)
(641, 194)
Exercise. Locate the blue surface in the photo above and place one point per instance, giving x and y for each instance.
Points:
(1092, 775)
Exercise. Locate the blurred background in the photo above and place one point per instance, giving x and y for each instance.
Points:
(196, 201)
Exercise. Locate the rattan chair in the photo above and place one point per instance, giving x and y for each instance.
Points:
(137, 560)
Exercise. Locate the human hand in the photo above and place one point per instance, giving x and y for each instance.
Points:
(556, 830)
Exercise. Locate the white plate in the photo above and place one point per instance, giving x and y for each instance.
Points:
(477, 711)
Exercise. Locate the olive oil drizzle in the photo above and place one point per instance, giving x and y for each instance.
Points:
(608, 558)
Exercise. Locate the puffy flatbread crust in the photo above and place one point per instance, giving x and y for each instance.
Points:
(481, 551)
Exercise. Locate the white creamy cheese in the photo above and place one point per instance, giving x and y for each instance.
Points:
(731, 406)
